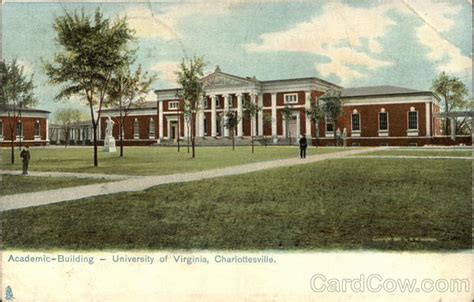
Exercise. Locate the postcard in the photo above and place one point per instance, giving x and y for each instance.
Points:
(236, 150)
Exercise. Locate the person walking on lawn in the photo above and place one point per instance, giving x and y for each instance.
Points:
(303, 146)
(25, 156)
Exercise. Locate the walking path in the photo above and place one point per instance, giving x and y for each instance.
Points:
(413, 156)
(69, 174)
(17, 201)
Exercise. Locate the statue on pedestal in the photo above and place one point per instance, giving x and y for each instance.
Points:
(109, 141)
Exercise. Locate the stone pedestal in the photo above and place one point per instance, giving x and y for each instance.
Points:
(109, 144)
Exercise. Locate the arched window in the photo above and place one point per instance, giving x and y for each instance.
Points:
(136, 129)
(19, 129)
(355, 121)
(412, 119)
(37, 129)
(383, 120)
(151, 129)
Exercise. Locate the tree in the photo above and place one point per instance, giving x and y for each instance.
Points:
(127, 90)
(189, 77)
(16, 93)
(188, 114)
(251, 110)
(231, 123)
(452, 92)
(287, 115)
(315, 114)
(66, 118)
(93, 48)
(332, 108)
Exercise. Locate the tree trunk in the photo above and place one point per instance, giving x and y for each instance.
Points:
(13, 151)
(187, 139)
(121, 139)
(233, 140)
(193, 137)
(122, 120)
(251, 135)
(334, 131)
(94, 127)
(317, 133)
(446, 121)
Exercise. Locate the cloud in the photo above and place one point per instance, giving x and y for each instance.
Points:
(350, 37)
(438, 19)
(165, 24)
(27, 66)
(166, 71)
(339, 33)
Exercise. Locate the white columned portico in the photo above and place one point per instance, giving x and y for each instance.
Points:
(160, 120)
(260, 115)
(200, 118)
(240, 132)
(213, 116)
(226, 109)
(307, 106)
(274, 117)
(253, 99)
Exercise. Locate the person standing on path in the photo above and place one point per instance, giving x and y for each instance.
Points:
(303, 146)
(25, 156)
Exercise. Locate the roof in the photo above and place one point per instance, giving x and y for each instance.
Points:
(379, 91)
(33, 110)
(146, 105)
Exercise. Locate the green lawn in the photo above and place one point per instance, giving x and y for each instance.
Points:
(422, 152)
(151, 160)
(394, 204)
(14, 184)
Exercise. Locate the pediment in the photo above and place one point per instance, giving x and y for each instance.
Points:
(217, 79)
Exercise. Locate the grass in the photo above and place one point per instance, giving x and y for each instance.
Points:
(422, 152)
(151, 160)
(15, 184)
(387, 204)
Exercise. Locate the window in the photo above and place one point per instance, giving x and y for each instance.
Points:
(151, 130)
(136, 129)
(1, 128)
(329, 125)
(355, 121)
(205, 126)
(205, 103)
(291, 98)
(413, 120)
(19, 128)
(383, 121)
(37, 129)
(173, 105)
(218, 102)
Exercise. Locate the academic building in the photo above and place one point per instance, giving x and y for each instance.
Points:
(373, 116)
(31, 127)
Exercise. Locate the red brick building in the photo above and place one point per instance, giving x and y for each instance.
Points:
(373, 116)
(31, 128)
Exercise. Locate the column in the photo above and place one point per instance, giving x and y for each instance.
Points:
(260, 115)
(240, 132)
(452, 122)
(274, 117)
(307, 106)
(226, 109)
(213, 116)
(47, 129)
(200, 118)
(160, 119)
(253, 99)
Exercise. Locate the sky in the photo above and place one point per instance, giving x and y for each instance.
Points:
(350, 43)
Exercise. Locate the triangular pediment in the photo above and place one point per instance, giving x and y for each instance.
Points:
(220, 79)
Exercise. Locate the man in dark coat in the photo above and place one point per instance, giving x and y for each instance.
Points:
(25, 156)
(303, 146)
